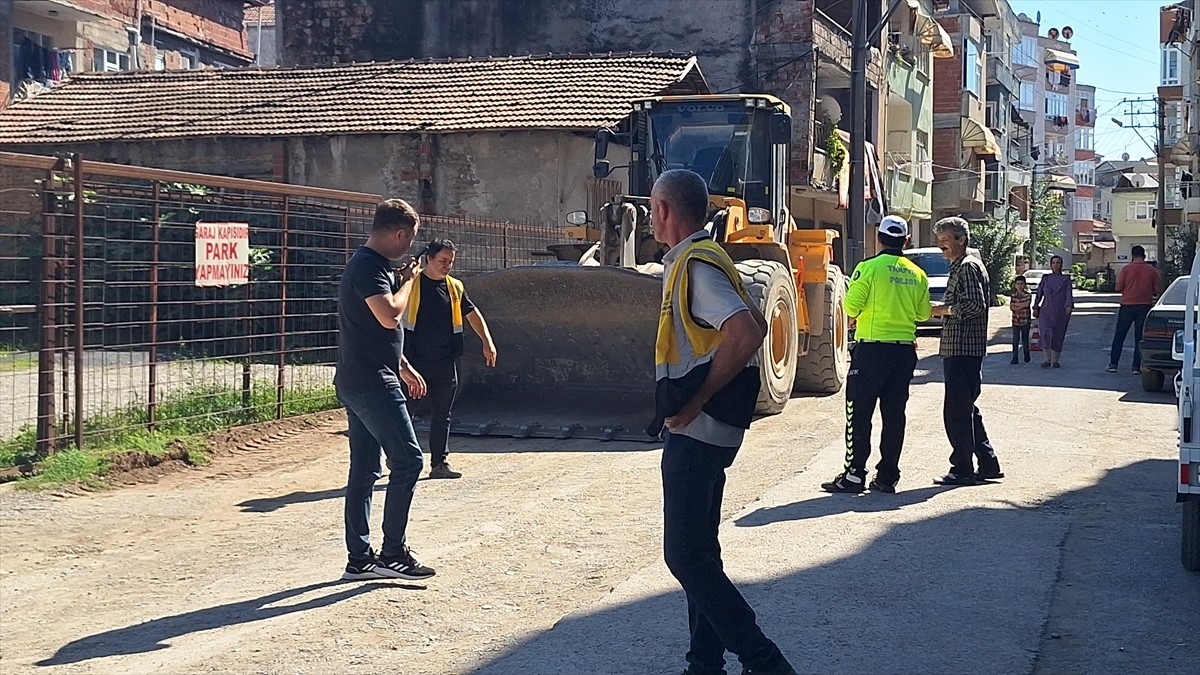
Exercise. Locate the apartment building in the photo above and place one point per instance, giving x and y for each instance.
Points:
(50, 39)
(1179, 90)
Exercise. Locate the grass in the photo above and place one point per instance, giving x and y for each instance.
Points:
(182, 421)
(13, 359)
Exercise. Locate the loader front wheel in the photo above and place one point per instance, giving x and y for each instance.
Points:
(771, 286)
(823, 369)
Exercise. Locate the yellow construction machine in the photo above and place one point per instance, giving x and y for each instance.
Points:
(575, 336)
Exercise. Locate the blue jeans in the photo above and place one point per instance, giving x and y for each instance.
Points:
(1127, 316)
(379, 421)
(719, 617)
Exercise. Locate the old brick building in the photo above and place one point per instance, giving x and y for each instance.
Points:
(505, 138)
(53, 39)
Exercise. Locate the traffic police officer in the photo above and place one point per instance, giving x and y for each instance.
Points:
(888, 297)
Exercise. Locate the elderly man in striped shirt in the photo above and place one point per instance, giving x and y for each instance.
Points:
(964, 344)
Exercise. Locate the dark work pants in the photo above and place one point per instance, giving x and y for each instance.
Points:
(879, 373)
(964, 424)
(379, 422)
(1129, 315)
(441, 380)
(1020, 338)
(693, 475)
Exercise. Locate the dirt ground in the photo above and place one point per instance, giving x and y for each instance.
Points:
(233, 567)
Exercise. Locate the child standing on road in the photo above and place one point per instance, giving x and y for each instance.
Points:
(1019, 305)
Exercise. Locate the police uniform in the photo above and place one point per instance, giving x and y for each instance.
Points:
(888, 297)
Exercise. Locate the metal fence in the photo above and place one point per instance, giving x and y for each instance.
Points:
(105, 334)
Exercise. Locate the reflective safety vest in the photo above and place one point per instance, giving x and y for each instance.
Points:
(409, 319)
(703, 339)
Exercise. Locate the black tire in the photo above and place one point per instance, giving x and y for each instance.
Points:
(1152, 380)
(771, 286)
(1189, 544)
(823, 368)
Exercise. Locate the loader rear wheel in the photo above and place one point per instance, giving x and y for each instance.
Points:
(770, 284)
(823, 368)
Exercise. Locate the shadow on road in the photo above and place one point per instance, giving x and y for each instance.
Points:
(156, 634)
(829, 504)
(929, 596)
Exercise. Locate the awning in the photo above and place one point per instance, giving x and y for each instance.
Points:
(1104, 244)
(1060, 61)
(975, 135)
(935, 37)
(1064, 183)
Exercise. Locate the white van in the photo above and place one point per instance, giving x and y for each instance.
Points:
(937, 268)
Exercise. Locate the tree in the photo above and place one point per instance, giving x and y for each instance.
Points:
(998, 245)
(1048, 211)
(1181, 249)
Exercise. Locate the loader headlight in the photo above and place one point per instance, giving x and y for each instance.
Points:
(758, 215)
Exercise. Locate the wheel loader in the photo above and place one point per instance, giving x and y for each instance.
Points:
(575, 335)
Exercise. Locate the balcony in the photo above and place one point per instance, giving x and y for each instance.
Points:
(1000, 73)
(1085, 117)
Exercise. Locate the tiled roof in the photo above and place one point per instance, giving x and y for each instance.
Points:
(508, 93)
(254, 12)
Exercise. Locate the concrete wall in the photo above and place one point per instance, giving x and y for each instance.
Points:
(528, 176)
(329, 31)
(256, 158)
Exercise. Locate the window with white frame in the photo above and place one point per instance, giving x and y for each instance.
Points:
(109, 61)
(1169, 74)
(972, 69)
(1085, 172)
(1140, 210)
(1024, 53)
(923, 166)
(1082, 208)
(1027, 97)
(1056, 104)
(1085, 138)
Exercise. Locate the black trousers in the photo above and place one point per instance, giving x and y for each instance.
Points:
(880, 373)
(719, 617)
(964, 424)
(1020, 338)
(441, 380)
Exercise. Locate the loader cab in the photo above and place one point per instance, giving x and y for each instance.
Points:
(738, 144)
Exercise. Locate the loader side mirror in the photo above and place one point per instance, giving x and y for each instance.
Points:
(603, 138)
(601, 169)
(781, 128)
(577, 218)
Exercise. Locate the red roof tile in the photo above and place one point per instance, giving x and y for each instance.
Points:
(253, 12)
(528, 92)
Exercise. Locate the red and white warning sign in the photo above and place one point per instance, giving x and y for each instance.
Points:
(222, 254)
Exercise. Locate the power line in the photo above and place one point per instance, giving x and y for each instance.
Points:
(1102, 32)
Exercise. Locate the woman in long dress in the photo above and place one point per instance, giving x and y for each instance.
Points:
(1052, 306)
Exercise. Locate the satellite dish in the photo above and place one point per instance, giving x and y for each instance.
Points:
(1124, 156)
(1053, 33)
(830, 107)
(1067, 32)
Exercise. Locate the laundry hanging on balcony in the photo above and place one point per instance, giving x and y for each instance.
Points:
(877, 206)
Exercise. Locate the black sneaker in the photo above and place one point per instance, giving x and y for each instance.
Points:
(954, 479)
(990, 474)
(1014, 361)
(357, 570)
(845, 482)
(443, 471)
(402, 566)
(783, 668)
(879, 486)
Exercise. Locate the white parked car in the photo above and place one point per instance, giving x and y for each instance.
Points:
(1185, 350)
(937, 269)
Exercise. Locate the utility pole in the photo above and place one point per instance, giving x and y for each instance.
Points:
(860, 52)
(1160, 157)
(1033, 217)
(1160, 213)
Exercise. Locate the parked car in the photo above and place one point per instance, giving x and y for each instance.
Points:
(937, 269)
(1033, 278)
(1184, 352)
(1165, 318)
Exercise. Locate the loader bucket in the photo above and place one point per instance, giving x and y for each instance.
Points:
(576, 354)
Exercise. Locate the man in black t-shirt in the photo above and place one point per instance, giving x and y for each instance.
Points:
(370, 368)
(433, 328)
